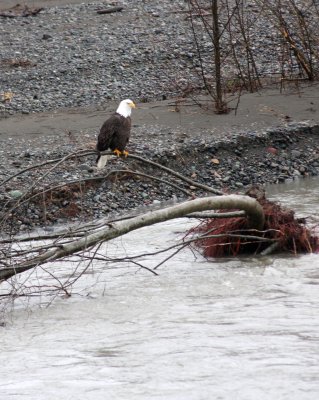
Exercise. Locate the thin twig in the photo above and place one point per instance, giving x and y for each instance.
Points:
(177, 174)
(48, 162)
(171, 255)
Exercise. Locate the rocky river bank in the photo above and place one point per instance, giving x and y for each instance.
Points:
(75, 190)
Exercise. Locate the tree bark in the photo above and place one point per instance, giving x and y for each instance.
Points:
(219, 101)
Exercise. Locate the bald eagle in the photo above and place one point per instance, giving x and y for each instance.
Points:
(115, 132)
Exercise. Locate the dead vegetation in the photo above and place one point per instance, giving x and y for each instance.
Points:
(20, 10)
(229, 26)
(16, 63)
(282, 231)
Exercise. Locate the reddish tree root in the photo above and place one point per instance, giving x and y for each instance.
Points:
(281, 227)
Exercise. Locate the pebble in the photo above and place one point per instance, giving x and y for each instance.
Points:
(295, 153)
(15, 194)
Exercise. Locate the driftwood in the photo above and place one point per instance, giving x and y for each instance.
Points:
(110, 10)
(20, 11)
(57, 251)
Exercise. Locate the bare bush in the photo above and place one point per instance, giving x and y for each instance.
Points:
(241, 45)
(297, 23)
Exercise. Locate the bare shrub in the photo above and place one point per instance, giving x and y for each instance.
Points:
(242, 45)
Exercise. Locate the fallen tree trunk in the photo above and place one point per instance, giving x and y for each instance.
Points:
(110, 10)
(20, 11)
(113, 230)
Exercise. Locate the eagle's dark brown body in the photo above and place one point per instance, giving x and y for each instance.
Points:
(114, 133)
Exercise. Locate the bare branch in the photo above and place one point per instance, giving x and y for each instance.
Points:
(80, 153)
(178, 175)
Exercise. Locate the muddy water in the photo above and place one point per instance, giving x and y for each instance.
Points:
(238, 329)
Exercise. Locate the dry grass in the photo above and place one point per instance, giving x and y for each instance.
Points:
(17, 62)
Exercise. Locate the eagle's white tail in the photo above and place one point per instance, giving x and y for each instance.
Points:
(102, 161)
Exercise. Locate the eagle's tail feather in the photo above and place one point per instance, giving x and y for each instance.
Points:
(102, 160)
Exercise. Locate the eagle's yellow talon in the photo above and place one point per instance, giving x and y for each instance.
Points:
(125, 153)
(117, 152)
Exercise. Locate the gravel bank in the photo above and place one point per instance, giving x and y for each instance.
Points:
(231, 164)
(70, 56)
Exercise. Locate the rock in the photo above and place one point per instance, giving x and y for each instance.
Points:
(25, 154)
(295, 153)
(272, 150)
(282, 178)
(86, 167)
(17, 163)
(15, 194)
(239, 184)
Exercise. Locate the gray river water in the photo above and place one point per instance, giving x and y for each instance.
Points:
(236, 329)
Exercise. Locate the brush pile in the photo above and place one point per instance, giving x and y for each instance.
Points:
(221, 237)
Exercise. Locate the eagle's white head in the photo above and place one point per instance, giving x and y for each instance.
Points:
(125, 108)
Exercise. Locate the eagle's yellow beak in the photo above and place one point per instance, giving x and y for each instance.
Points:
(132, 105)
